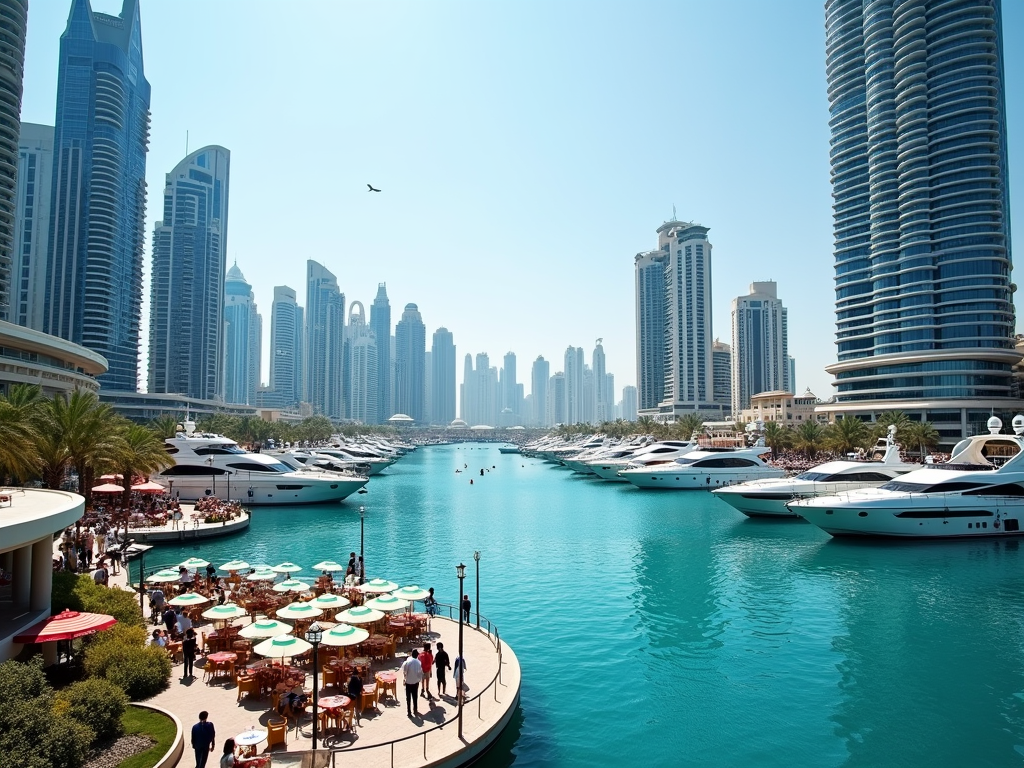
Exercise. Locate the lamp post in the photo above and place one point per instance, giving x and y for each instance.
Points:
(362, 562)
(460, 570)
(476, 556)
(314, 635)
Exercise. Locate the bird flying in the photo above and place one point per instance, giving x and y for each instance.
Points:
(372, 188)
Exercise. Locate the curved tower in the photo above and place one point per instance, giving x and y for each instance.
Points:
(12, 61)
(922, 237)
(243, 338)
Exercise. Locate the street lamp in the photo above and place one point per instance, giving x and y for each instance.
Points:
(314, 635)
(460, 570)
(362, 562)
(476, 556)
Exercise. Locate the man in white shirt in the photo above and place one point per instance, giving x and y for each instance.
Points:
(412, 676)
(184, 622)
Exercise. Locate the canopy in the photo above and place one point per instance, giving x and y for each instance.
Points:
(292, 585)
(387, 603)
(411, 593)
(189, 598)
(149, 487)
(111, 477)
(286, 568)
(299, 611)
(360, 615)
(282, 646)
(66, 625)
(194, 562)
(261, 576)
(226, 611)
(328, 565)
(377, 586)
(330, 602)
(164, 576)
(107, 488)
(344, 634)
(234, 565)
(265, 628)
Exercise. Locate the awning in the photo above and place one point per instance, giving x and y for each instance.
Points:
(66, 625)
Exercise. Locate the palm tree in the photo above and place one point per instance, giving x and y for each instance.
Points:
(18, 456)
(88, 430)
(645, 425)
(886, 418)
(688, 424)
(808, 438)
(137, 452)
(847, 434)
(777, 436)
(164, 426)
(922, 434)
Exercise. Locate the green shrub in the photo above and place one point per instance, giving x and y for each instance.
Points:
(97, 703)
(78, 592)
(105, 648)
(141, 672)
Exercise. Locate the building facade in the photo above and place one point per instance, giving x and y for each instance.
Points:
(924, 314)
(380, 321)
(410, 365)
(32, 222)
(760, 345)
(325, 342)
(243, 340)
(12, 37)
(362, 367)
(574, 408)
(186, 303)
(286, 336)
(557, 399)
(721, 357)
(539, 376)
(650, 327)
(98, 195)
(442, 375)
(629, 403)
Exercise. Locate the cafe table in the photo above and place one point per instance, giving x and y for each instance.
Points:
(249, 740)
(223, 661)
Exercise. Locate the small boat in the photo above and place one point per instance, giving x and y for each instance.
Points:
(508, 449)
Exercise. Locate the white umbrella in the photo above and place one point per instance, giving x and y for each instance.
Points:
(328, 565)
(226, 611)
(261, 576)
(286, 568)
(189, 598)
(282, 646)
(360, 614)
(376, 586)
(330, 602)
(387, 603)
(265, 628)
(194, 562)
(299, 611)
(292, 585)
(344, 634)
(234, 565)
(163, 577)
(411, 593)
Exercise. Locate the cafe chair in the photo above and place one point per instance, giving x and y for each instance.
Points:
(277, 733)
(369, 697)
(246, 685)
(330, 676)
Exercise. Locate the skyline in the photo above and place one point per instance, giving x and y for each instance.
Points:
(509, 159)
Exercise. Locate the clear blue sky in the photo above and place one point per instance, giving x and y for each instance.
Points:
(527, 151)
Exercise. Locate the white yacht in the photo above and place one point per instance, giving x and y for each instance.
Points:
(768, 498)
(705, 468)
(377, 464)
(661, 452)
(214, 465)
(979, 492)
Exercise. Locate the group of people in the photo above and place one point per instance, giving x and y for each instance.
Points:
(204, 740)
(80, 547)
(418, 669)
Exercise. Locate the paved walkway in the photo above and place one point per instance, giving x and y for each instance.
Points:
(186, 698)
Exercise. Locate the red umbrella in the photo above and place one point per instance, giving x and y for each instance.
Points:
(108, 488)
(66, 625)
(148, 487)
(111, 477)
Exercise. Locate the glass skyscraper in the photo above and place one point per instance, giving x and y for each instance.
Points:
(243, 340)
(325, 341)
(380, 322)
(12, 43)
(410, 366)
(442, 375)
(98, 203)
(286, 335)
(922, 235)
(35, 173)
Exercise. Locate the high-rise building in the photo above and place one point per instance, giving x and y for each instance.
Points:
(792, 375)
(509, 386)
(98, 203)
(12, 37)
(286, 338)
(721, 356)
(428, 387)
(604, 399)
(325, 341)
(924, 311)
(410, 348)
(480, 392)
(243, 340)
(557, 400)
(362, 367)
(186, 305)
(32, 222)
(539, 377)
(608, 395)
(442, 372)
(574, 365)
(629, 403)
(650, 327)
(380, 322)
(760, 345)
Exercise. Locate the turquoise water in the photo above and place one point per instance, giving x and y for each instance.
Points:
(664, 628)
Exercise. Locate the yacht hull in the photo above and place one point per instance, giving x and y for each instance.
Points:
(979, 517)
(278, 491)
(692, 481)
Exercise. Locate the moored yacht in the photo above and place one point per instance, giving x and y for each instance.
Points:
(768, 498)
(214, 465)
(979, 492)
(705, 468)
(661, 452)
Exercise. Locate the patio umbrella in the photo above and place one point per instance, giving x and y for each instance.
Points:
(108, 488)
(265, 628)
(344, 634)
(329, 566)
(234, 565)
(292, 585)
(224, 612)
(330, 602)
(282, 646)
(378, 586)
(411, 593)
(360, 614)
(299, 611)
(66, 625)
(111, 477)
(194, 562)
(286, 568)
(261, 576)
(189, 598)
(164, 576)
(387, 603)
(149, 487)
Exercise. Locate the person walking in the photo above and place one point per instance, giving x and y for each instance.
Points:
(426, 661)
(459, 675)
(412, 675)
(203, 738)
(189, 647)
(466, 605)
(441, 664)
(430, 603)
(355, 692)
